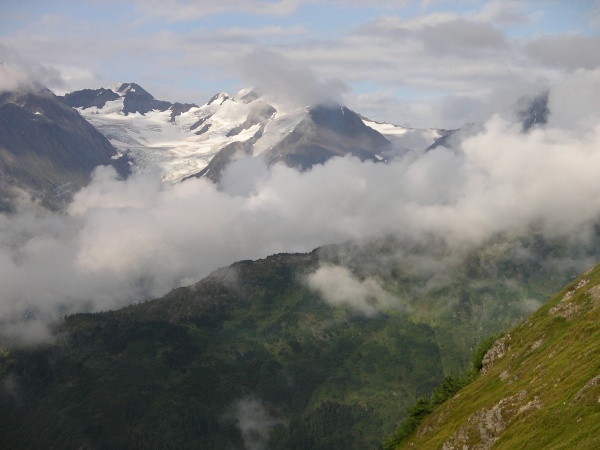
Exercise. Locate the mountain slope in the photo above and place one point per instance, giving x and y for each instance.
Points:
(257, 343)
(540, 387)
(250, 343)
(326, 132)
(47, 147)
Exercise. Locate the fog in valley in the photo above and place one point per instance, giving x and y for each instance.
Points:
(120, 242)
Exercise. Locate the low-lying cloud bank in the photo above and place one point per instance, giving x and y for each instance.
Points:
(120, 242)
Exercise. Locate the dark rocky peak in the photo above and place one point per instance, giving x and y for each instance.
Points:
(325, 132)
(125, 89)
(36, 89)
(88, 98)
(42, 103)
(24, 97)
(45, 145)
(138, 100)
(532, 110)
(179, 108)
(135, 99)
(343, 121)
(250, 96)
(221, 98)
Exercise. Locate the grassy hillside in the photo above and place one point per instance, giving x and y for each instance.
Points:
(540, 387)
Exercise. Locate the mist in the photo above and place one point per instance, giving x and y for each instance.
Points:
(120, 242)
(287, 81)
(19, 74)
(338, 286)
(255, 422)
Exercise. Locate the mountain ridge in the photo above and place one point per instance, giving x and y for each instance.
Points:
(183, 139)
(135, 100)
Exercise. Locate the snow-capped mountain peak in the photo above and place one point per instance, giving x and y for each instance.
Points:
(182, 139)
(122, 89)
(220, 98)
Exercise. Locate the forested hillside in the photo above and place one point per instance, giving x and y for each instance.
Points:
(261, 352)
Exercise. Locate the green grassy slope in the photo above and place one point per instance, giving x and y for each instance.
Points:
(541, 386)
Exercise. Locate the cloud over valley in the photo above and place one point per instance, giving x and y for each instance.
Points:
(120, 242)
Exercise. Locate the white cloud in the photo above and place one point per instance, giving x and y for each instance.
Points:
(463, 36)
(123, 241)
(434, 59)
(573, 102)
(287, 80)
(339, 287)
(503, 12)
(12, 79)
(180, 10)
(424, 61)
(255, 422)
(594, 15)
(570, 51)
(17, 73)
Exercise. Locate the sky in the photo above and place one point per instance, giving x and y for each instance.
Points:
(427, 63)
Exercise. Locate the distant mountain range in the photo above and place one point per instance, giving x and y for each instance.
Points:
(46, 148)
(135, 100)
(187, 140)
(49, 150)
